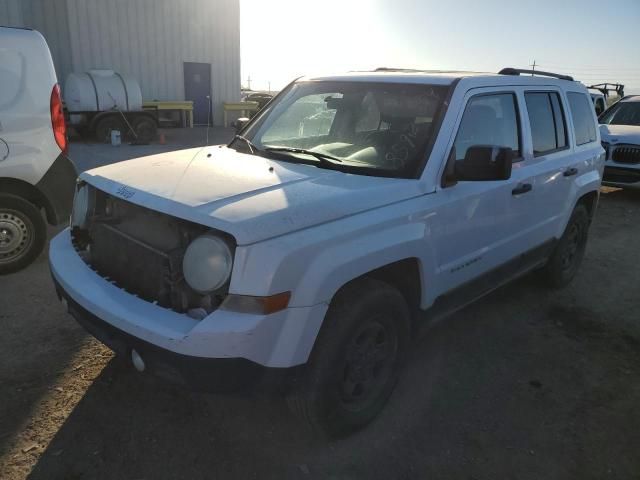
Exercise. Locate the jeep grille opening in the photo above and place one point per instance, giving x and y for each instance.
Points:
(141, 251)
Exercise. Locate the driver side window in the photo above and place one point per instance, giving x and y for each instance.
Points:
(489, 119)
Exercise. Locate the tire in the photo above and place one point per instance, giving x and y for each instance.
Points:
(23, 233)
(569, 252)
(356, 360)
(145, 128)
(106, 124)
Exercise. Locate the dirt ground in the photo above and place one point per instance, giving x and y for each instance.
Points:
(525, 384)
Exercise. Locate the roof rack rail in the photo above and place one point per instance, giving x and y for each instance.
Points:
(392, 69)
(518, 71)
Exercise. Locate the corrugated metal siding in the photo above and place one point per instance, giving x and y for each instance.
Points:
(49, 17)
(10, 13)
(150, 40)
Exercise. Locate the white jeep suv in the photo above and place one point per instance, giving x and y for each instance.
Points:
(620, 130)
(301, 254)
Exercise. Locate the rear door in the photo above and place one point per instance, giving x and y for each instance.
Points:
(550, 159)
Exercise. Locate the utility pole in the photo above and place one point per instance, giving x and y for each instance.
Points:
(249, 82)
(269, 86)
(533, 65)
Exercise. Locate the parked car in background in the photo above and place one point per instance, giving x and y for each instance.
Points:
(599, 102)
(620, 131)
(35, 175)
(306, 255)
(601, 95)
(262, 98)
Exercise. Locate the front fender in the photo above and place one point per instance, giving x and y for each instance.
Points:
(314, 263)
(336, 265)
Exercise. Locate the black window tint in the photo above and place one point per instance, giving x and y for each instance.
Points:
(543, 131)
(622, 113)
(582, 115)
(489, 120)
(560, 122)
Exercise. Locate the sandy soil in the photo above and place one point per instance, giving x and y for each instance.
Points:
(527, 383)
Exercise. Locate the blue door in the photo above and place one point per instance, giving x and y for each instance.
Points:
(197, 88)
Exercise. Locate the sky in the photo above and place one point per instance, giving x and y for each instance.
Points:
(595, 41)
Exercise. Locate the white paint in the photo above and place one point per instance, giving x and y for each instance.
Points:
(27, 78)
(310, 231)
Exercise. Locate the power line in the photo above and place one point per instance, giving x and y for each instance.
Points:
(589, 67)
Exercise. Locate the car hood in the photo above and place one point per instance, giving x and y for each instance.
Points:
(620, 134)
(249, 197)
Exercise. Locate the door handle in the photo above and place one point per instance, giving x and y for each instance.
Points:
(569, 172)
(522, 188)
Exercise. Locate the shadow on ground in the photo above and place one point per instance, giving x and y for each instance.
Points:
(506, 389)
(36, 345)
(528, 384)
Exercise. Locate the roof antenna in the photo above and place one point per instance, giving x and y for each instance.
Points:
(208, 117)
(533, 67)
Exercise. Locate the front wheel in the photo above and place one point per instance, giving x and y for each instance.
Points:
(569, 252)
(22, 233)
(355, 362)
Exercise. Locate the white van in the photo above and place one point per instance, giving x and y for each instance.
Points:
(35, 175)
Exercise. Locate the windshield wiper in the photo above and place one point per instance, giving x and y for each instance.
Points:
(252, 148)
(324, 158)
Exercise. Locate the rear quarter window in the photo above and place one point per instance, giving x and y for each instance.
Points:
(582, 115)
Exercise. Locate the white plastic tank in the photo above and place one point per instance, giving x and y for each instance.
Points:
(100, 90)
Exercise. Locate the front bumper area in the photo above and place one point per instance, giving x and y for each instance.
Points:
(620, 175)
(223, 351)
(195, 373)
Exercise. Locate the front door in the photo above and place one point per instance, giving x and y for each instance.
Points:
(484, 224)
(197, 88)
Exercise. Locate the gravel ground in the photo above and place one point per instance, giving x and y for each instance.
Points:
(527, 383)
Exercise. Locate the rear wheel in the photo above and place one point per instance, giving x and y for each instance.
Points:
(22, 233)
(355, 363)
(106, 124)
(145, 128)
(569, 252)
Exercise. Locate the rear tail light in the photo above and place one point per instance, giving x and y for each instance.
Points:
(57, 119)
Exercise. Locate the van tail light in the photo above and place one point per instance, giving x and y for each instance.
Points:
(57, 119)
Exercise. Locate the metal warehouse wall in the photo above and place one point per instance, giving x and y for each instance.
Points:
(150, 40)
(147, 39)
(10, 13)
(49, 17)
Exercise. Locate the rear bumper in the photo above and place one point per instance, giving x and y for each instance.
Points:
(58, 187)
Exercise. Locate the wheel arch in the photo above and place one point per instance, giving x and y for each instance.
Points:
(590, 201)
(29, 192)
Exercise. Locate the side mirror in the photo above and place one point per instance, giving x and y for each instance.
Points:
(485, 162)
(240, 123)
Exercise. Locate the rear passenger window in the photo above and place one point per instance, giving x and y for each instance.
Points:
(489, 120)
(548, 126)
(582, 115)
